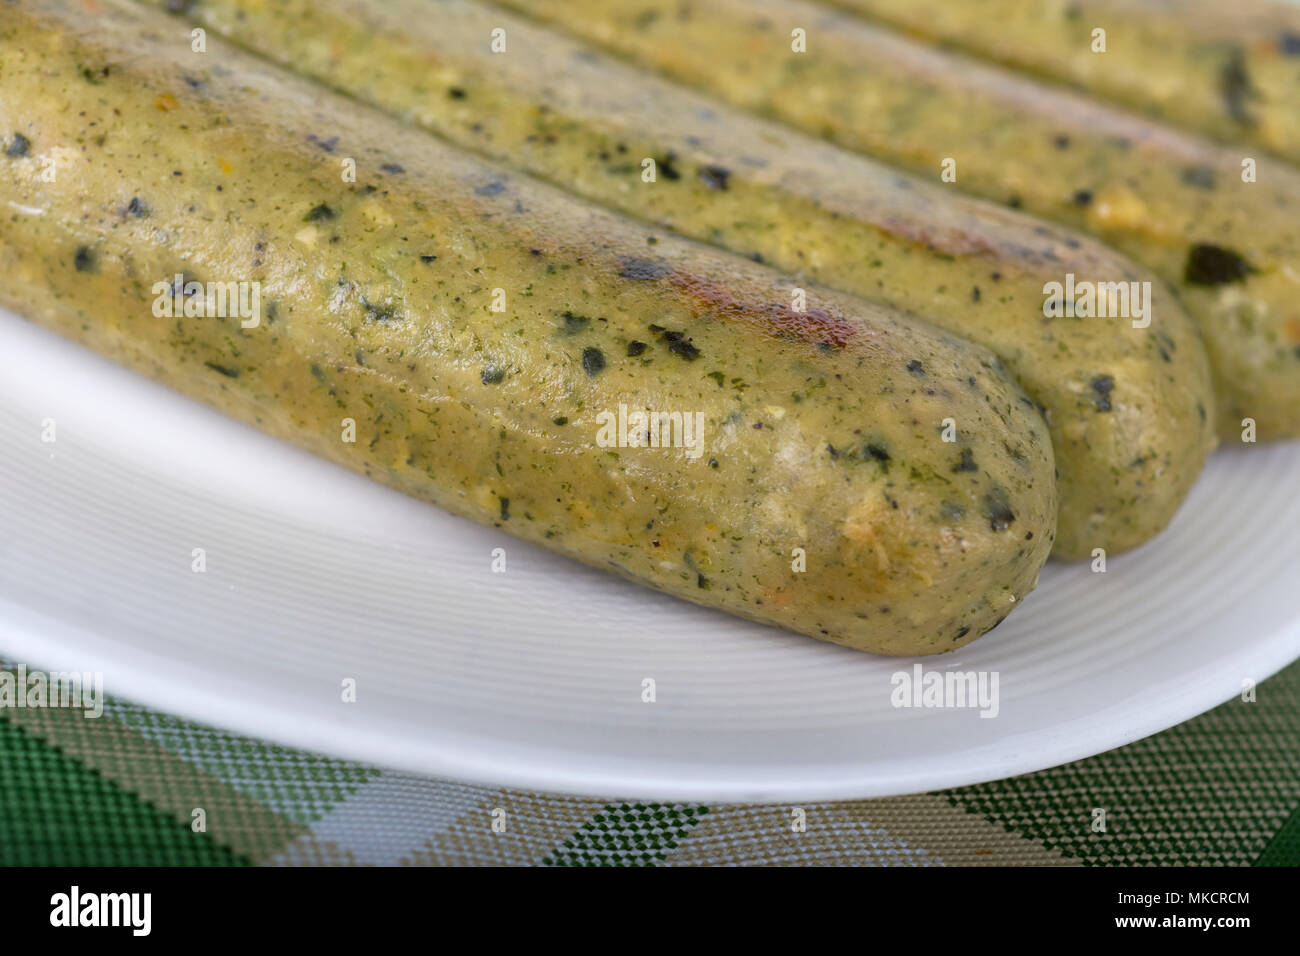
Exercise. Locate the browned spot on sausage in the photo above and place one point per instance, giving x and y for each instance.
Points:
(950, 241)
(813, 327)
(1293, 328)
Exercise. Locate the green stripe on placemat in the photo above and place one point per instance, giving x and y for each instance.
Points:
(55, 812)
(1284, 848)
(627, 835)
(1219, 790)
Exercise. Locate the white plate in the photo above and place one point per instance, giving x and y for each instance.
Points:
(533, 677)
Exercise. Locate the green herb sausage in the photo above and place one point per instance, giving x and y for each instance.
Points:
(1230, 70)
(1174, 202)
(823, 498)
(1129, 408)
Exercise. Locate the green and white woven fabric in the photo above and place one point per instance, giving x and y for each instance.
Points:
(123, 789)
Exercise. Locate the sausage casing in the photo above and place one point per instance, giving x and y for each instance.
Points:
(824, 498)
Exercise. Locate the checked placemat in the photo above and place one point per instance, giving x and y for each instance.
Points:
(1222, 789)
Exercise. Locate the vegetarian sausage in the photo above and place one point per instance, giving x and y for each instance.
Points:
(1228, 70)
(485, 342)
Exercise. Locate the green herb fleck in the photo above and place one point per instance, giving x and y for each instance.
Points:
(966, 462)
(573, 323)
(379, 313)
(634, 267)
(223, 370)
(715, 177)
(1102, 386)
(677, 342)
(1236, 87)
(1213, 265)
(593, 361)
(1199, 177)
(998, 509)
